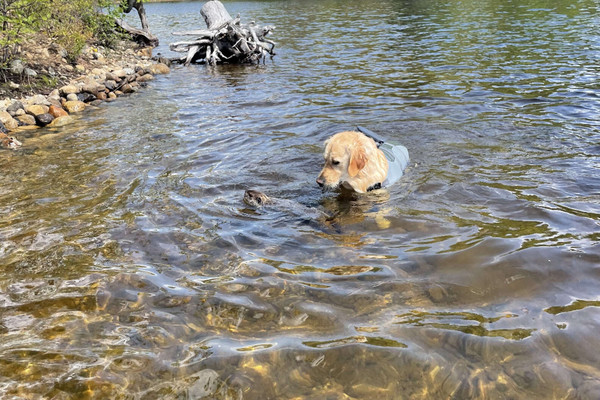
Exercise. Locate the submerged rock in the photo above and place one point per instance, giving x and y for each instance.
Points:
(159, 69)
(61, 121)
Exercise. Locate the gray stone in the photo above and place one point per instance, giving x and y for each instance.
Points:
(26, 119)
(16, 105)
(127, 88)
(29, 72)
(44, 119)
(72, 97)
(69, 89)
(86, 97)
(39, 99)
(17, 67)
(110, 84)
(120, 73)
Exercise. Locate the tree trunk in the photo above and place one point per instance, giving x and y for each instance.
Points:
(144, 36)
(139, 6)
(215, 15)
(226, 40)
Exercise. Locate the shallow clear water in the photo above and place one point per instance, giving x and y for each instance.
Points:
(132, 269)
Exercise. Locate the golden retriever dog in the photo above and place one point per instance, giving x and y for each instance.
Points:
(357, 162)
(352, 161)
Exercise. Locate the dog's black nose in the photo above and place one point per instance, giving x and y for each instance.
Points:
(320, 182)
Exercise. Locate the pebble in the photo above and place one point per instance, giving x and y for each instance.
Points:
(26, 119)
(17, 67)
(159, 68)
(39, 99)
(85, 97)
(29, 72)
(72, 97)
(110, 84)
(36, 109)
(145, 78)
(61, 121)
(68, 89)
(127, 88)
(44, 119)
(12, 109)
(74, 106)
(56, 111)
(9, 122)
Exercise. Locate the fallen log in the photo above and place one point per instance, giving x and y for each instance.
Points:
(138, 35)
(226, 40)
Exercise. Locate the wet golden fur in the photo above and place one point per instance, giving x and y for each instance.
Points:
(353, 161)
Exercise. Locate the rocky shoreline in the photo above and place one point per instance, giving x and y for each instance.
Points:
(99, 75)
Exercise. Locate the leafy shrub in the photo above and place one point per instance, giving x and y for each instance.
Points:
(70, 22)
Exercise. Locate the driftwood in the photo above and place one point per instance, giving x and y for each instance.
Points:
(139, 35)
(225, 41)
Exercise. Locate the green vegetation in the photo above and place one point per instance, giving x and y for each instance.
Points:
(69, 23)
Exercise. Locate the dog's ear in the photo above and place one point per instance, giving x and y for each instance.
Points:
(326, 147)
(358, 160)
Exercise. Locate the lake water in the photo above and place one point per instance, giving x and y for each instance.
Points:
(131, 269)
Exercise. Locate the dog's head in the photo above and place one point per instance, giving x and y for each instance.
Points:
(352, 161)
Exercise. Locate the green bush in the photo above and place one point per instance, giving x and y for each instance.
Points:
(71, 23)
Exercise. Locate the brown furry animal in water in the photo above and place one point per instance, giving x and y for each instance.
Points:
(255, 198)
(352, 161)
(9, 142)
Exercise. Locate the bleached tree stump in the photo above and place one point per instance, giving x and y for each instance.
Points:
(226, 40)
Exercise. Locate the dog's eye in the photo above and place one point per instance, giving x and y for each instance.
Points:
(335, 162)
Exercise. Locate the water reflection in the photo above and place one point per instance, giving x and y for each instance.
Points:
(133, 269)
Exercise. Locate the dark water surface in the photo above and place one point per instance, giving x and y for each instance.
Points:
(131, 268)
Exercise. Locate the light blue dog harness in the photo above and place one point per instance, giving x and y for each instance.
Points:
(397, 157)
